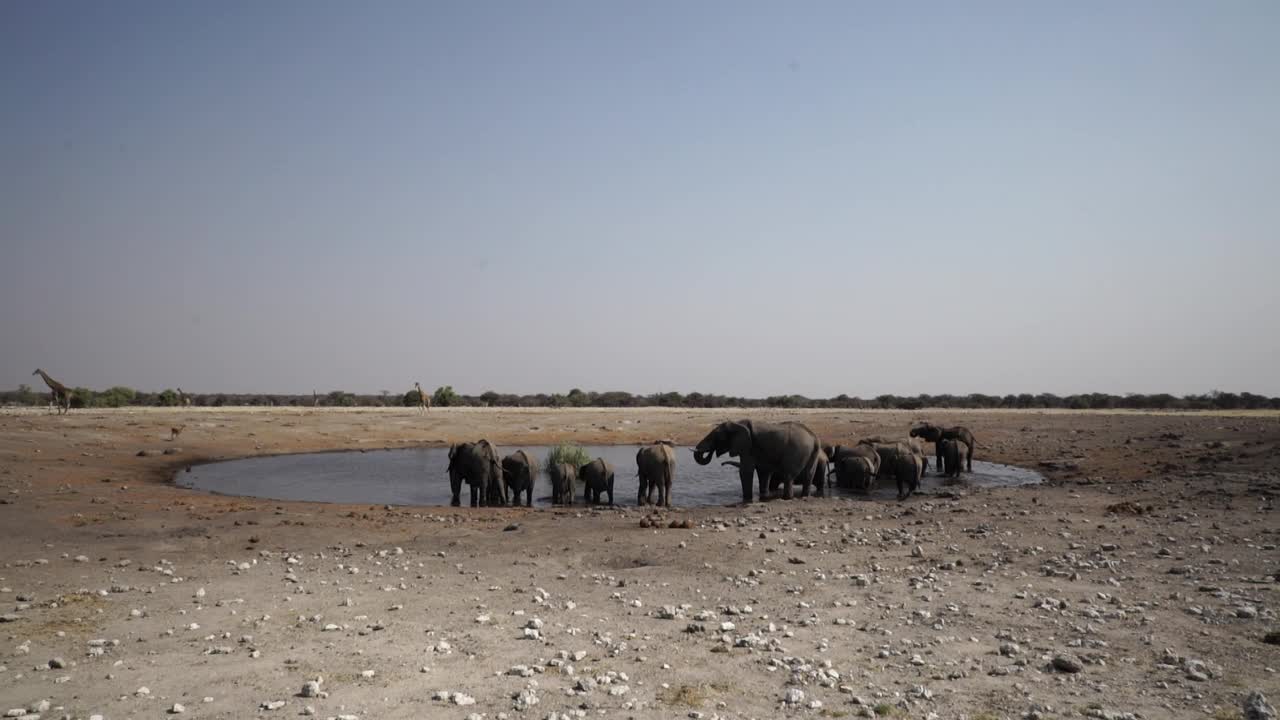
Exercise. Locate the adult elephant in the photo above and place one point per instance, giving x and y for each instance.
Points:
(477, 464)
(855, 467)
(788, 449)
(597, 476)
(518, 472)
(656, 466)
(935, 434)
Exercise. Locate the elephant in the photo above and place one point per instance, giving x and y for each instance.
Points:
(901, 459)
(518, 472)
(656, 464)
(854, 467)
(477, 464)
(597, 475)
(907, 469)
(952, 451)
(787, 449)
(934, 434)
(774, 480)
(563, 476)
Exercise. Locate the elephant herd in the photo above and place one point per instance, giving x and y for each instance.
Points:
(493, 482)
(777, 455)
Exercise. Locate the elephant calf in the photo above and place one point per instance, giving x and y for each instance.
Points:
(597, 476)
(855, 467)
(934, 434)
(563, 476)
(952, 452)
(901, 459)
(518, 471)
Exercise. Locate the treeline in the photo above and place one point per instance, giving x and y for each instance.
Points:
(446, 397)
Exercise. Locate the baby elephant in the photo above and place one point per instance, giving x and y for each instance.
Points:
(597, 475)
(563, 476)
(953, 455)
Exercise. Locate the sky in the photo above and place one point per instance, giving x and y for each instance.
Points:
(725, 196)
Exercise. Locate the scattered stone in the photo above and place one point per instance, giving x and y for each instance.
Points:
(1067, 663)
(177, 709)
(794, 696)
(1256, 707)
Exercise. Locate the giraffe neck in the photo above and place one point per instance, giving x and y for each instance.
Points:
(53, 384)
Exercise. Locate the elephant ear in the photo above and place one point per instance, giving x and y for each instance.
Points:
(741, 437)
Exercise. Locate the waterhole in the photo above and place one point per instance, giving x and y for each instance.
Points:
(419, 476)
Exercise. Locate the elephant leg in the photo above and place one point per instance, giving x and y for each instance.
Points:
(610, 489)
(969, 458)
(456, 487)
(640, 493)
(475, 495)
(937, 461)
(746, 473)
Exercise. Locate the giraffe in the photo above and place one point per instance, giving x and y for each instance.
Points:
(183, 398)
(424, 400)
(60, 395)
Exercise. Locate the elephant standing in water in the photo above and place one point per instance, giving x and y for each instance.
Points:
(597, 475)
(903, 460)
(855, 467)
(952, 451)
(789, 450)
(656, 464)
(477, 464)
(774, 480)
(518, 472)
(934, 434)
(563, 476)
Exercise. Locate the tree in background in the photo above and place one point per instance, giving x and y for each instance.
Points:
(444, 396)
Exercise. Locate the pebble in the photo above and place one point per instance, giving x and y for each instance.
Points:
(1067, 663)
(177, 709)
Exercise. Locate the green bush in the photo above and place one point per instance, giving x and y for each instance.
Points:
(168, 398)
(566, 453)
(118, 396)
(444, 396)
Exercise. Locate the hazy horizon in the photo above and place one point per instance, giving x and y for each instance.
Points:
(740, 198)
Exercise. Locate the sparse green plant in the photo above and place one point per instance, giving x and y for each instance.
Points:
(567, 453)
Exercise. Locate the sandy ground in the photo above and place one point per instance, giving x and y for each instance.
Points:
(1148, 567)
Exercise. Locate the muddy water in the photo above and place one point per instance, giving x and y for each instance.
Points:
(419, 477)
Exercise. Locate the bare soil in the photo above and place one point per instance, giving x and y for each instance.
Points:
(1150, 559)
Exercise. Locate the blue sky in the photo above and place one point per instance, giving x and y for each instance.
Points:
(735, 197)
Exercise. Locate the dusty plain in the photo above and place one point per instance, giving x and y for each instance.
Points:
(1141, 581)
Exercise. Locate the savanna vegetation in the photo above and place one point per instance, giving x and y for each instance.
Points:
(446, 396)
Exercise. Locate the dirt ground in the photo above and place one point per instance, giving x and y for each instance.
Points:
(1141, 581)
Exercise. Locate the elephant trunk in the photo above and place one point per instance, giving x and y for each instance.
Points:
(702, 457)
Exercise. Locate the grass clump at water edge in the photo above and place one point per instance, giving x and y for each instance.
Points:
(566, 453)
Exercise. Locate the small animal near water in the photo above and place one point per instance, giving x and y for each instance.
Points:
(935, 434)
(424, 400)
(60, 394)
(174, 432)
